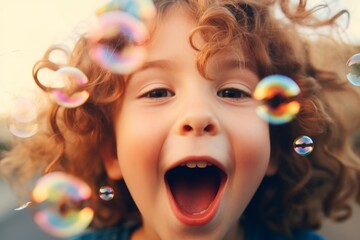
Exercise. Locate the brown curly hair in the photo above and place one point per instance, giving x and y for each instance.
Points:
(304, 190)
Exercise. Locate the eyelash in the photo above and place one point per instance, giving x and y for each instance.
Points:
(230, 93)
(233, 94)
(155, 93)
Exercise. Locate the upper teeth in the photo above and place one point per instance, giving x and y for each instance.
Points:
(199, 164)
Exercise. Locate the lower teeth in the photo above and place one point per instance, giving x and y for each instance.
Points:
(199, 213)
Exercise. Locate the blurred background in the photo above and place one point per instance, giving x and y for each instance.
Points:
(27, 28)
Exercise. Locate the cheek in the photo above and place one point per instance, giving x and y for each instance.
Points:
(251, 154)
(139, 141)
(137, 161)
(252, 150)
(136, 145)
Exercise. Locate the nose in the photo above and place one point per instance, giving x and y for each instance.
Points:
(198, 122)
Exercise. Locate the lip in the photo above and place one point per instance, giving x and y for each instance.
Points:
(205, 158)
(209, 214)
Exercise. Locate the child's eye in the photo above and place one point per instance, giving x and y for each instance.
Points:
(159, 93)
(233, 93)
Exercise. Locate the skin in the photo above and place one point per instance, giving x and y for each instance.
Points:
(170, 112)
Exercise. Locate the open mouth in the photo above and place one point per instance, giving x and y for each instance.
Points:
(195, 189)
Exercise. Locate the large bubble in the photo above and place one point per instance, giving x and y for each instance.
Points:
(23, 118)
(276, 92)
(69, 91)
(61, 201)
(303, 145)
(354, 73)
(142, 9)
(60, 54)
(117, 42)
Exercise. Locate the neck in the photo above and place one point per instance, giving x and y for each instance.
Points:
(142, 233)
(235, 233)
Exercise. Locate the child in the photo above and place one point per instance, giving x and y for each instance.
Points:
(180, 142)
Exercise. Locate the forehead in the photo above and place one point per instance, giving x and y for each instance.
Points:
(172, 26)
(171, 35)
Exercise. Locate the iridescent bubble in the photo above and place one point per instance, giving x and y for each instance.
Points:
(303, 145)
(142, 9)
(23, 118)
(116, 43)
(25, 205)
(60, 54)
(72, 94)
(106, 193)
(354, 64)
(61, 201)
(276, 93)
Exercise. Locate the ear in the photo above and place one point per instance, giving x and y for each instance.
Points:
(108, 152)
(272, 167)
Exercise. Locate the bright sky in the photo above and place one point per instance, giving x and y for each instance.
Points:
(27, 28)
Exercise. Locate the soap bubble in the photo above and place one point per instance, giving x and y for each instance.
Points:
(116, 43)
(276, 93)
(142, 9)
(106, 193)
(25, 205)
(23, 118)
(354, 64)
(61, 198)
(71, 94)
(60, 54)
(303, 145)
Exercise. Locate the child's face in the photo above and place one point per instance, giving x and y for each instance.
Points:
(169, 116)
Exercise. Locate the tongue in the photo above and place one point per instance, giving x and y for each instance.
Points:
(194, 189)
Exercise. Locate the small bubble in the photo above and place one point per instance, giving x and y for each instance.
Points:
(23, 118)
(303, 145)
(71, 94)
(25, 205)
(106, 193)
(61, 201)
(116, 43)
(354, 69)
(276, 93)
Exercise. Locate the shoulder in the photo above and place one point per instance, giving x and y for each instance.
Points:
(309, 235)
(300, 235)
(120, 232)
(259, 231)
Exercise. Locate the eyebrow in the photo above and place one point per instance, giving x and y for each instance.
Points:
(233, 63)
(160, 64)
(167, 64)
(227, 64)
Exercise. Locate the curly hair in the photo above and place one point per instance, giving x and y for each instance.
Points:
(303, 191)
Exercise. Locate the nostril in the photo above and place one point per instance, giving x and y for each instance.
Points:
(198, 126)
(188, 128)
(209, 128)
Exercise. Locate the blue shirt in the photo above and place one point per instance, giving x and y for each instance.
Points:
(124, 231)
(120, 232)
